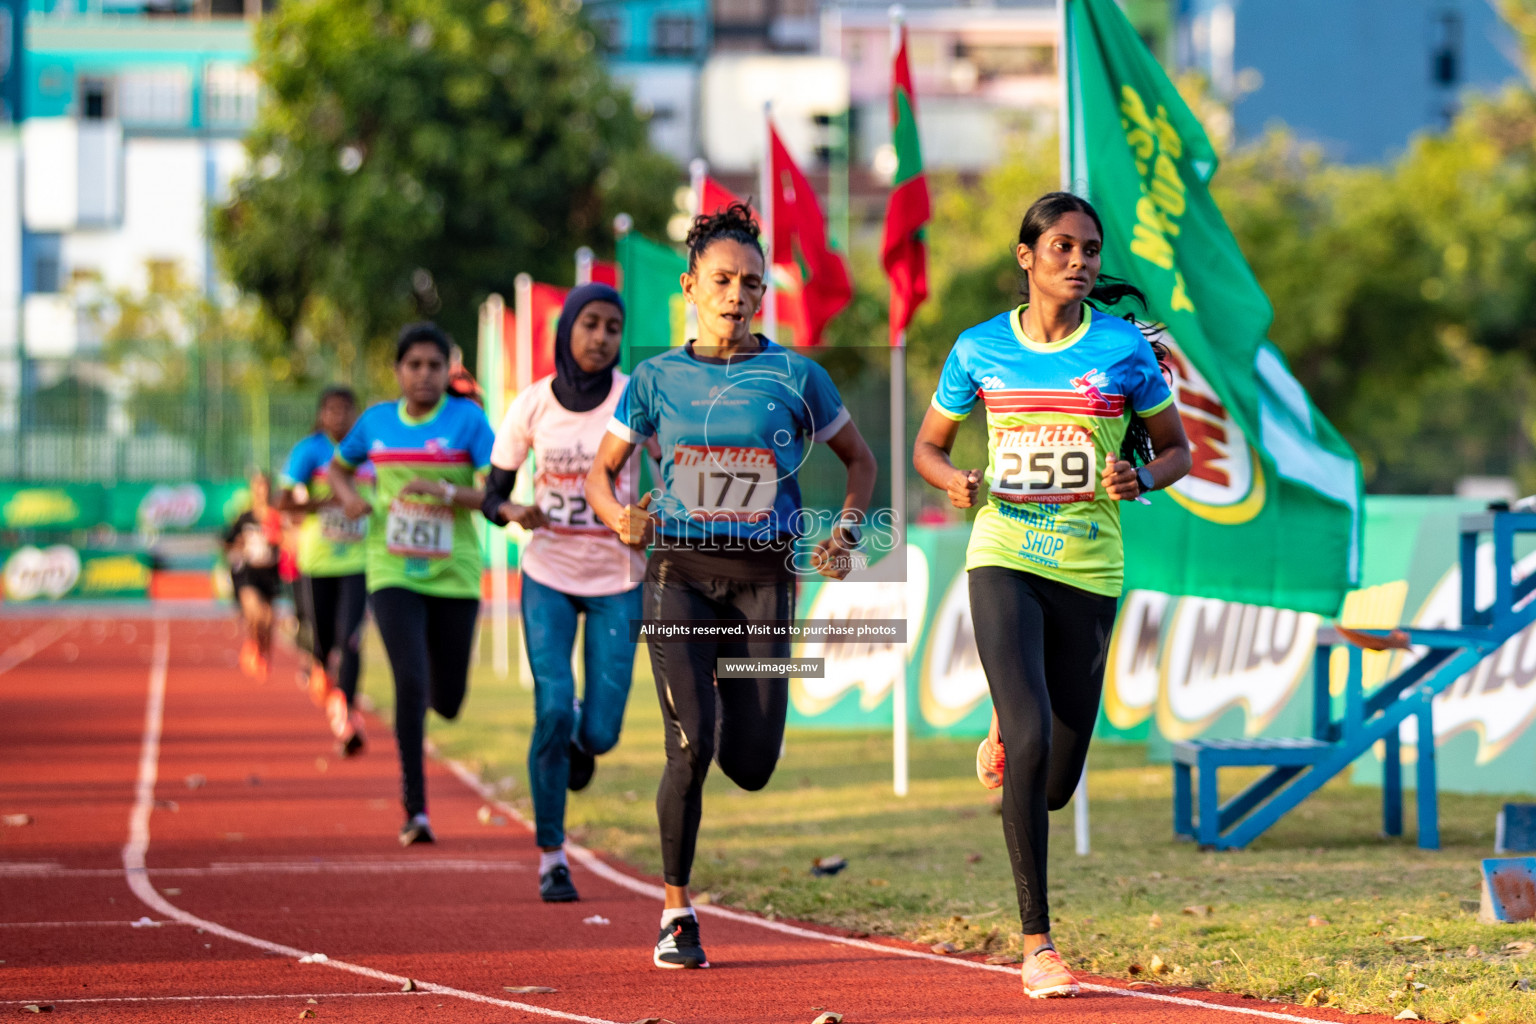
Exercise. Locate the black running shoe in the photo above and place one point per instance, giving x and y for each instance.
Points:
(555, 886)
(678, 945)
(583, 765)
(416, 830)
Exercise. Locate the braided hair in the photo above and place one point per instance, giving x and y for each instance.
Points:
(1107, 291)
(734, 223)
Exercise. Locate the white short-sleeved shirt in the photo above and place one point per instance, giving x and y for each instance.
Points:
(576, 554)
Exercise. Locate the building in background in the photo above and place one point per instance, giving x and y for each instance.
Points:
(1359, 77)
(657, 48)
(134, 111)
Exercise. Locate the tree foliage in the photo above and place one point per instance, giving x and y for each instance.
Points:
(412, 156)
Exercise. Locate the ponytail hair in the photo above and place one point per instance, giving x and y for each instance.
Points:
(1107, 291)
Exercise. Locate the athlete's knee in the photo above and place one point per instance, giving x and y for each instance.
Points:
(1057, 797)
(554, 725)
(600, 738)
(750, 773)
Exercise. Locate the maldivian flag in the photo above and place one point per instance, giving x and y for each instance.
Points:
(1271, 513)
(655, 315)
(902, 252)
(547, 300)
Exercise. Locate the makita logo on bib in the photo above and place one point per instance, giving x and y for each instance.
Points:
(1053, 434)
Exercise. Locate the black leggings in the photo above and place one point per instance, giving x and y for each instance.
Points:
(335, 606)
(740, 719)
(428, 640)
(1043, 645)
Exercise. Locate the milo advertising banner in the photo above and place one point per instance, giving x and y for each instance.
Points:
(146, 508)
(60, 572)
(1185, 667)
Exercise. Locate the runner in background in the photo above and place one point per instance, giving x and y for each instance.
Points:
(423, 552)
(734, 414)
(573, 565)
(1074, 398)
(252, 544)
(331, 591)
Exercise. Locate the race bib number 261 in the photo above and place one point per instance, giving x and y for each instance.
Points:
(1052, 464)
(418, 530)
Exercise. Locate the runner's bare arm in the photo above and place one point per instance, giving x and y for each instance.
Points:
(632, 523)
(290, 501)
(930, 457)
(342, 478)
(1171, 458)
(849, 446)
(448, 494)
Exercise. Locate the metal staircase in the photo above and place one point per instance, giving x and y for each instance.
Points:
(1299, 767)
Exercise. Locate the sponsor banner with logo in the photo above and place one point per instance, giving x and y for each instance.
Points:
(61, 572)
(128, 508)
(1181, 667)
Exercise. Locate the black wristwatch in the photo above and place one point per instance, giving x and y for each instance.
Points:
(1144, 478)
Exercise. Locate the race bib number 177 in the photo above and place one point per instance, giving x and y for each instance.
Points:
(1052, 464)
(734, 483)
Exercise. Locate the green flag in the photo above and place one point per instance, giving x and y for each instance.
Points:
(1270, 513)
(655, 315)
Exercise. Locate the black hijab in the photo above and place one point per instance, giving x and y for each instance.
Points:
(575, 388)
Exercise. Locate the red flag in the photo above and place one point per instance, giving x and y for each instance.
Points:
(547, 302)
(786, 280)
(902, 252)
(800, 242)
(610, 274)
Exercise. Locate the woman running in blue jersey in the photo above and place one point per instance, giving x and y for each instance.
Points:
(733, 413)
(573, 566)
(331, 560)
(1074, 398)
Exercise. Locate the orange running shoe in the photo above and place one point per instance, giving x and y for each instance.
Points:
(320, 688)
(1046, 977)
(989, 758)
(337, 713)
(250, 656)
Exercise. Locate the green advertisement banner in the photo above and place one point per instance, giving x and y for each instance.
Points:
(1182, 667)
(148, 508)
(60, 572)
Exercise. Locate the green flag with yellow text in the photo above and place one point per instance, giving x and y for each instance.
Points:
(1270, 513)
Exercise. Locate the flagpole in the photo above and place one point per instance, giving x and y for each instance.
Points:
(898, 400)
(1064, 133)
(492, 380)
(522, 299)
(765, 211)
(584, 259)
(698, 170)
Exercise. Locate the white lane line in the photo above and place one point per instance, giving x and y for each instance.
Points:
(273, 868)
(137, 872)
(34, 643)
(84, 924)
(599, 867)
(202, 999)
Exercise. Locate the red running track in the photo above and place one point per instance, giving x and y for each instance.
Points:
(194, 841)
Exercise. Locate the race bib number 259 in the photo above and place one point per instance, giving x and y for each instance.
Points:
(1051, 464)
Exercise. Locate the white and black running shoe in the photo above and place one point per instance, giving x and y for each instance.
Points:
(416, 830)
(678, 945)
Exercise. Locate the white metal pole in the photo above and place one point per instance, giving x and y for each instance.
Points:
(698, 170)
(583, 266)
(765, 211)
(523, 350)
(1064, 130)
(898, 399)
(493, 381)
